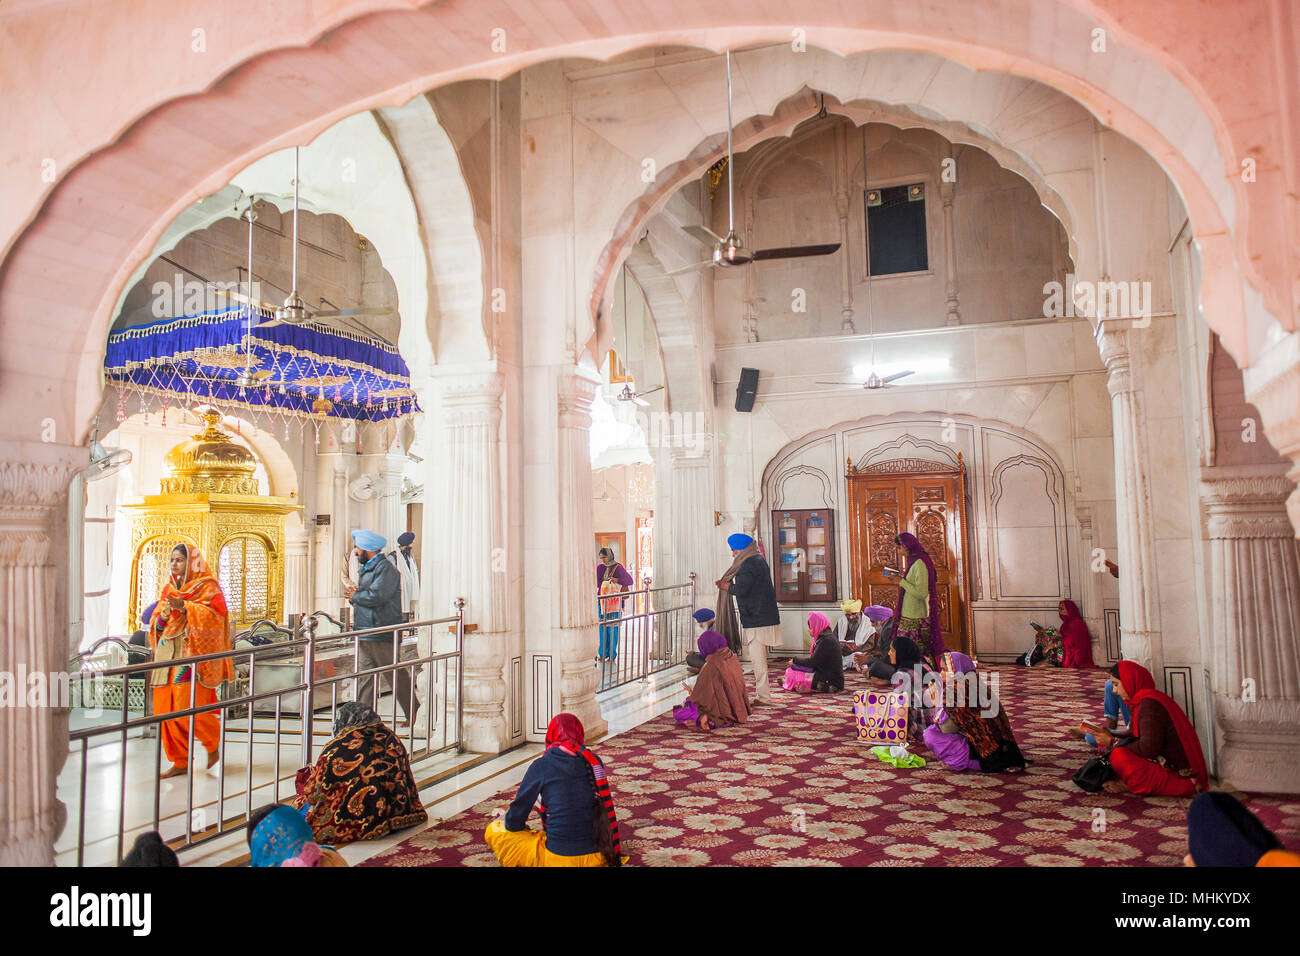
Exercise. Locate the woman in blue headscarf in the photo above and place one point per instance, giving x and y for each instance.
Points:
(280, 836)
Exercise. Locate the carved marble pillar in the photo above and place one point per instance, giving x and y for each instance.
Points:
(842, 209)
(1255, 626)
(1091, 593)
(574, 605)
(1139, 595)
(392, 515)
(946, 191)
(689, 518)
(33, 639)
(464, 556)
(296, 598)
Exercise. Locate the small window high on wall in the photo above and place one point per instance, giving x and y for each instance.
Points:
(896, 230)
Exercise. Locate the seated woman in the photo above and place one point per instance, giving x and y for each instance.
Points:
(1112, 708)
(1222, 832)
(719, 696)
(911, 675)
(361, 788)
(1164, 758)
(974, 732)
(579, 825)
(822, 671)
(279, 836)
(1076, 642)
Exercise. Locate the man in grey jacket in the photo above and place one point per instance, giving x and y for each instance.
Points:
(377, 601)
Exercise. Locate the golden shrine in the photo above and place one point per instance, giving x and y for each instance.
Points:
(209, 498)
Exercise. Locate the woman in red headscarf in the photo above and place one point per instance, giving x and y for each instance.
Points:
(189, 620)
(1164, 758)
(1076, 642)
(571, 791)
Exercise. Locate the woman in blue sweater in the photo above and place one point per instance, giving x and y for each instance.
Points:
(579, 825)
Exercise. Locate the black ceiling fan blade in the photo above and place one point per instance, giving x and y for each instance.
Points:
(795, 252)
(703, 235)
(650, 391)
(897, 375)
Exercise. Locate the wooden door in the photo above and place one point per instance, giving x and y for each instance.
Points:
(923, 498)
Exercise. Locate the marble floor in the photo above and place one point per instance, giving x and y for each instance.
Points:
(449, 782)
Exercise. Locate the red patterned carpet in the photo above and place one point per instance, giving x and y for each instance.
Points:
(794, 788)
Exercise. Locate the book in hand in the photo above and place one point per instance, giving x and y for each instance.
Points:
(893, 571)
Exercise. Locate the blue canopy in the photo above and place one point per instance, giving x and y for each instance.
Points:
(315, 370)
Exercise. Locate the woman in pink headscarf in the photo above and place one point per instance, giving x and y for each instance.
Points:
(822, 671)
(1076, 642)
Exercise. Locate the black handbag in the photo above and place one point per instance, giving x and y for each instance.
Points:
(1098, 770)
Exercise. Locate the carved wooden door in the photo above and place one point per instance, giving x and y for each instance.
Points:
(923, 498)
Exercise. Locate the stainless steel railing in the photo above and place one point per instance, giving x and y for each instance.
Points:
(306, 673)
(650, 630)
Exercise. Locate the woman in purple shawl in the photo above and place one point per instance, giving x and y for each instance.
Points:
(918, 610)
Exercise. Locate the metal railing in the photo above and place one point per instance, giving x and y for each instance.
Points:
(647, 631)
(306, 674)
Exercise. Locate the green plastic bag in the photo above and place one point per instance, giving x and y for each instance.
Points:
(911, 761)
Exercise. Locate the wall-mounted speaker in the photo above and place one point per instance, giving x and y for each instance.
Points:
(746, 389)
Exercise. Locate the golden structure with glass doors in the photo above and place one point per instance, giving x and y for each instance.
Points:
(209, 498)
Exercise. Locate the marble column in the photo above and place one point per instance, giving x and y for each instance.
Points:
(463, 555)
(1255, 626)
(574, 606)
(33, 640)
(690, 520)
(1139, 595)
(392, 515)
(842, 210)
(296, 571)
(946, 191)
(1090, 596)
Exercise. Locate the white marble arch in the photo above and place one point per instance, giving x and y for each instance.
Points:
(1021, 514)
(801, 487)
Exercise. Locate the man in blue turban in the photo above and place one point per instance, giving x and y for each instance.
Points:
(749, 581)
(376, 602)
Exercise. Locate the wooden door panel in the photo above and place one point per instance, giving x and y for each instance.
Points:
(928, 506)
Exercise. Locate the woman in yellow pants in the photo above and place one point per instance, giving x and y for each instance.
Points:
(579, 825)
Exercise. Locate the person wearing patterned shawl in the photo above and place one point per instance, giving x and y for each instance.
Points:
(361, 788)
(579, 824)
(970, 734)
(189, 620)
(279, 836)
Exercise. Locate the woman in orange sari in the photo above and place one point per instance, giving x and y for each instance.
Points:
(189, 621)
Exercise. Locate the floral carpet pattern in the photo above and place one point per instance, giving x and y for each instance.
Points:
(793, 787)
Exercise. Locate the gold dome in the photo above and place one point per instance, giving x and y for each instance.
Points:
(209, 463)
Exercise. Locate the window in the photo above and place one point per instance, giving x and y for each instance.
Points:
(896, 230)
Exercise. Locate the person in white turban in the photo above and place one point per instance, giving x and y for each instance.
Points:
(853, 631)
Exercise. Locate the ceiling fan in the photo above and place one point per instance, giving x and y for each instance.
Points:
(729, 250)
(873, 380)
(628, 395)
(294, 311)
